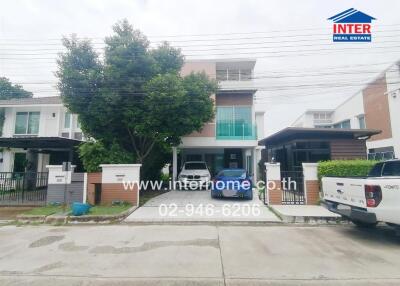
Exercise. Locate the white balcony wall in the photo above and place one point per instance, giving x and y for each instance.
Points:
(350, 110)
(50, 121)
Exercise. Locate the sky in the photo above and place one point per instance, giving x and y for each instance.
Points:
(298, 66)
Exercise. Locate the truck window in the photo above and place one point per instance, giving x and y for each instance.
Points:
(391, 169)
(376, 170)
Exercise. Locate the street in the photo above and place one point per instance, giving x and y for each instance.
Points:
(198, 255)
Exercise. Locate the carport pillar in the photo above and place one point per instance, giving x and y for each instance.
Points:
(273, 184)
(254, 162)
(174, 165)
(311, 183)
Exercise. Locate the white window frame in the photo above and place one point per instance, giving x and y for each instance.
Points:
(27, 124)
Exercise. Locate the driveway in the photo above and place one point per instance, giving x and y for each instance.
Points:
(198, 206)
(198, 255)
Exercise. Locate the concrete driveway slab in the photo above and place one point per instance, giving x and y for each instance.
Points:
(198, 206)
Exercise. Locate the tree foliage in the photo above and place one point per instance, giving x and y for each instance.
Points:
(93, 154)
(9, 90)
(133, 95)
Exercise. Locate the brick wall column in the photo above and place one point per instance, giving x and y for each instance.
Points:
(273, 184)
(311, 183)
(112, 183)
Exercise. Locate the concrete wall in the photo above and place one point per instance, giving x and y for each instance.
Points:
(233, 99)
(64, 187)
(393, 87)
(73, 191)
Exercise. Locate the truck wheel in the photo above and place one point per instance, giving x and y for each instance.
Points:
(364, 224)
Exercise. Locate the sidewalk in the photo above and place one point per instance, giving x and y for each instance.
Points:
(305, 214)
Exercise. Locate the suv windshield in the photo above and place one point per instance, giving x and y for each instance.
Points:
(232, 173)
(195, 166)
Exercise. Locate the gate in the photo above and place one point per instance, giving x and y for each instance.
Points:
(23, 188)
(292, 187)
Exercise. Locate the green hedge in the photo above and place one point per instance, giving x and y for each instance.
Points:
(350, 168)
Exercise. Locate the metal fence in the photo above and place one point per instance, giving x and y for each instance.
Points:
(292, 187)
(23, 188)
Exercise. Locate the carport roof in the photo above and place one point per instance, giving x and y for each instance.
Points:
(38, 142)
(293, 133)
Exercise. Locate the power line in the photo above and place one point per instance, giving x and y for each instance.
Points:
(240, 53)
(41, 42)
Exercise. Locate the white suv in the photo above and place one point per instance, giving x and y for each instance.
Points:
(195, 175)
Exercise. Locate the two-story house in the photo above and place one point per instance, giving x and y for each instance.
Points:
(375, 106)
(37, 132)
(230, 140)
(40, 131)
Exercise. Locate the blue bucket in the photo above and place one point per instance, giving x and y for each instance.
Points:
(79, 209)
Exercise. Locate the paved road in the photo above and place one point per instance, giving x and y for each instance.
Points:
(198, 255)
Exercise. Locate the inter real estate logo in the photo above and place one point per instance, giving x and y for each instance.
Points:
(352, 26)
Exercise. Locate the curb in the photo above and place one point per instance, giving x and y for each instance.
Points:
(312, 220)
(84, 219)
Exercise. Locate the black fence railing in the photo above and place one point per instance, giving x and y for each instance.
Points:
(23, 188)
(292, 187)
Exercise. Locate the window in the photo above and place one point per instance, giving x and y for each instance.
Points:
(361, 122)
(376, 171)
(234, 121)
(78, 123)
(221, 75)
(67, 120)
(241, 173)
(344, 125)
(245, 74)
(195, 166)
(27, 123)
(234, 74)
(391, 169)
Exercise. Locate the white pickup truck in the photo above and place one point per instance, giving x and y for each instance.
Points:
(366, 200)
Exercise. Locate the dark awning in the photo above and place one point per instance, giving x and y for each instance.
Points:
(300, 133)
(38, 142)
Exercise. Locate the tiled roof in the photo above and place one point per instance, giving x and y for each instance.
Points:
(32, 101)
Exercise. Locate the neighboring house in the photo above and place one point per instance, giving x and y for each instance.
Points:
(37, 132)
(376, 106)
(230, 140)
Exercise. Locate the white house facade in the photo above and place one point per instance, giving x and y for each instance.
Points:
(376, 106)
(37, 132)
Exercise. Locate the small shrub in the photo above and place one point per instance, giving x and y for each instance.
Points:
(345, 168)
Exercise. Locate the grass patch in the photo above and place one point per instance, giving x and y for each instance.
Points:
(46, 210)
(108, 210)
(147, 195)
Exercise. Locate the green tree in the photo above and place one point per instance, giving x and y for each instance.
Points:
(7, 91)
(134, 95)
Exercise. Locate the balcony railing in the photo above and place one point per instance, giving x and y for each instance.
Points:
(236, 131)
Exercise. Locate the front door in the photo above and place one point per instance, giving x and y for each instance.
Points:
(233, 158)
(19, 162)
